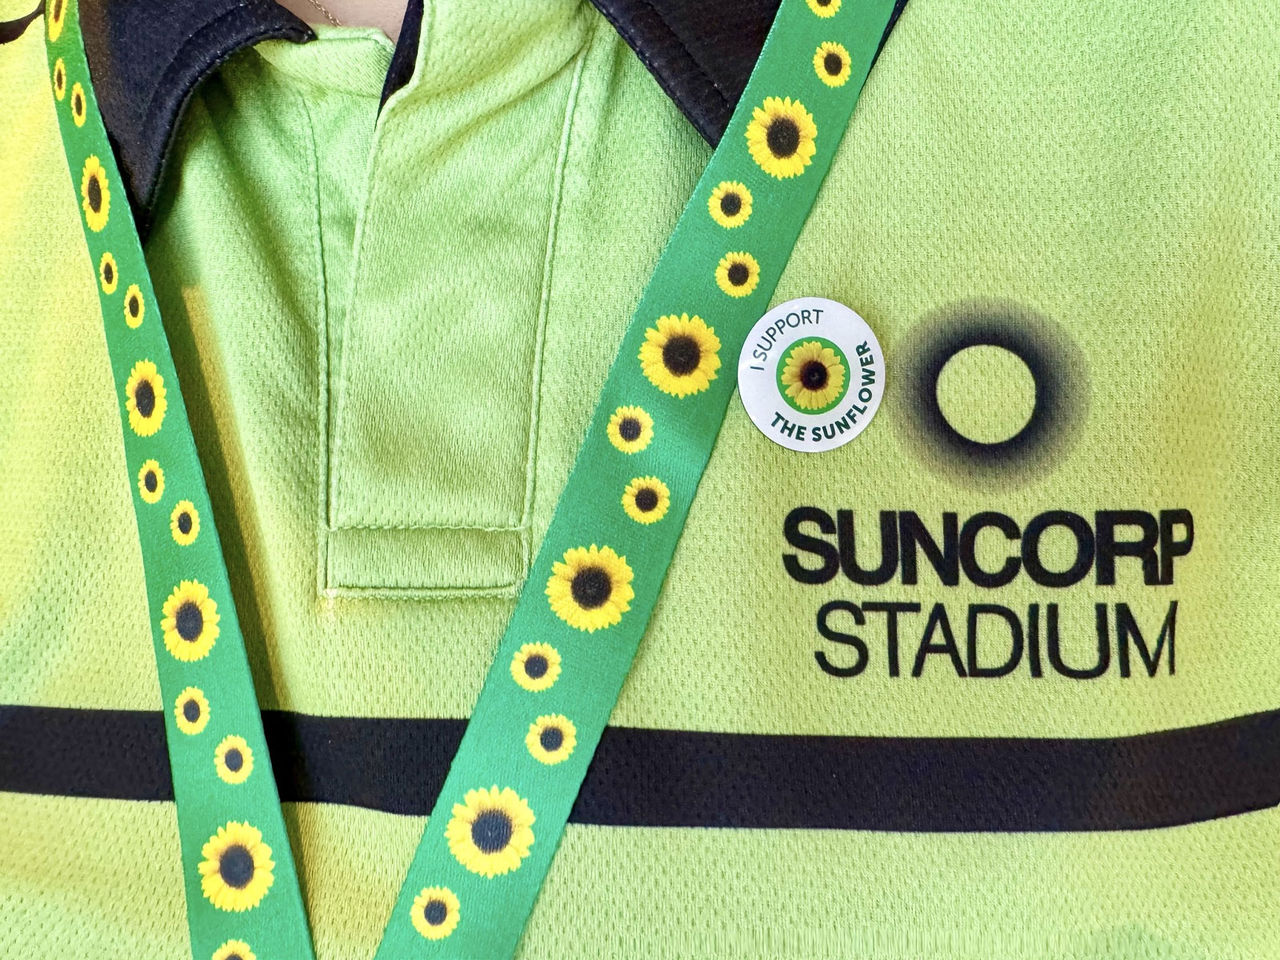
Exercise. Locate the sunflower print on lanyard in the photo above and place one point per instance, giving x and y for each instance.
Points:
(680, 355)
(590, 589)
(630, 429)
(108, 273)
(646, 499)
(551, 739)
(730, 204)
(831, 64)
(235, 950)
(95, 194)
(237, 878)
(737, 274)
(435, 912)
(490, 832)
(567, 648)
(236, 871)
(145, 398)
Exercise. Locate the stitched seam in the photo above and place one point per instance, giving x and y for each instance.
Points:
(434, 526)
(503, 590)
(322, 314)
(544, 296)
(371, 193)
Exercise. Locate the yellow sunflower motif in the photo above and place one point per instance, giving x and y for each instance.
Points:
(737, 274)
(813, 375)
(108, 274)
(536, 666)
(59, 78)
(824, 8)
(184, 523)
(551, 739)
(491, 832)
(150, 482)
(781, 137)
(235, 873)
(191, 711)
(233, 759)
(630, 429)
(234, 950)
(591, 588)
(78, 107)
(57, 16)
(135, 307)
(144, 398)
(190, 621)
(680, 355)
(95, 194)
(646, 500)
(435, 912)
(831, 63)
(730, 204)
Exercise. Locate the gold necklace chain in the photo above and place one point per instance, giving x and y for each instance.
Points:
(327, 15)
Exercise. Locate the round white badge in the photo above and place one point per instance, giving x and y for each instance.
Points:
(811, 374)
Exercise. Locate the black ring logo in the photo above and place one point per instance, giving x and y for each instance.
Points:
(1055, 363)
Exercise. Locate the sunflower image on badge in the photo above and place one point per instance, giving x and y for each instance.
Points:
(236, 871)
(781, 137)
(491, 831)
(813, 375)
(680, 355)
(591, 588)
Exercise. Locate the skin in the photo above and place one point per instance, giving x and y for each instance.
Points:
(386, 15)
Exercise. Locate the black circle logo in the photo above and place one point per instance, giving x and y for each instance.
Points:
(990, 391)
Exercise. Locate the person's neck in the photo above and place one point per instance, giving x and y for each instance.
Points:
(386, 15)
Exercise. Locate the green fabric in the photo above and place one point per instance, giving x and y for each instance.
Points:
(1112, 169)
(533, 731)
(237, 866)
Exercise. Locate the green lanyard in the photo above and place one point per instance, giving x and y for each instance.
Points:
(576, 627)
(570, 642)
(241, 889)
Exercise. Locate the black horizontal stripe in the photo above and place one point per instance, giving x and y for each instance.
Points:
(682, 778)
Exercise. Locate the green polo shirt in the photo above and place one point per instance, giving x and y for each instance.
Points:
(996, 678)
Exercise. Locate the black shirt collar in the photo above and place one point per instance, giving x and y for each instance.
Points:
(146, 56)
